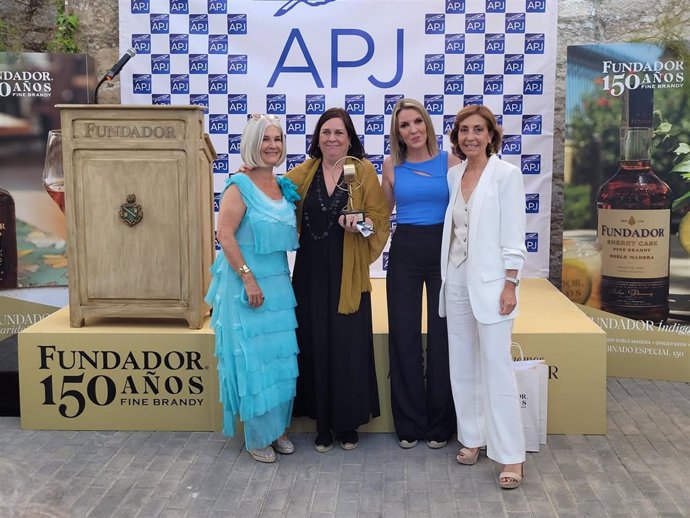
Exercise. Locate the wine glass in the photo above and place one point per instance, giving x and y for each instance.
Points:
(53, 175)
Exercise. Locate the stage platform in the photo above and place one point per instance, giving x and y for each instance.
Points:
(124, 374)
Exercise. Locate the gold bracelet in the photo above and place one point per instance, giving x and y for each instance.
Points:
(242, 270)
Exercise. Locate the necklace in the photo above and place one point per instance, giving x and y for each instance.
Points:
(330, 207)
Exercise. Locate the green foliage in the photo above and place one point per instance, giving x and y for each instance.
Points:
(577, 212)
(9, 37)
(67, 25)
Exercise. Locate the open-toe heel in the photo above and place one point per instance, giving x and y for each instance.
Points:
(467, 457)
(510, 479)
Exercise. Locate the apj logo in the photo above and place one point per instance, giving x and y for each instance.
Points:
(217, 6)
(434, 63)
(455, 6)
(493, 85)
(389, 101)
(179, 6)
(160, 63)
(293, 161)
(198, 24)
(495, 6)
(159, 23)
(199, 100)
(291, 4)
(314, 104)
(160, 99)
(512, 104)
(474, 64)
(141, 43)
(237, 63)
(141, 83)
(495, 43)
(296, 124)
(179, 84)
(448, 123)
(530, 164)
(514, 64)
(473, 100)
(434, 23)
(140, 7)
(218, 123)
(454, 84)
(534, 43)
(216, 201)
(275, 104)
(512, 145)
(237, 24)
(386, 144)
(515, 23)
(198, 64)
(179, 43)
(218, 84)
(533, 84)
(532, 203)
(433, 104)
(455, 43)
(531, 124)
(377, 162)
(354, 104)
(237, 104)
(373, 124)
(475, 23)
(218, 44)
(221, 164)
(532, 242)
(234, 143)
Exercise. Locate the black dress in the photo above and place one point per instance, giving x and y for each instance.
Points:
(337, 378)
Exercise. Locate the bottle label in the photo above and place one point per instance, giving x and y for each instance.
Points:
(634, 243)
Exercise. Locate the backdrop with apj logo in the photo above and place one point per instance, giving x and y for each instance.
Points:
(296, 58)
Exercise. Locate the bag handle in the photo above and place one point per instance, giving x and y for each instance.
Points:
(517, 345)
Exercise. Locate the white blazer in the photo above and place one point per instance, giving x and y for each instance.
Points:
(496, 237)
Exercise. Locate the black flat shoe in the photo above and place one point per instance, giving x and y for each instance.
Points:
(323, 442)
(349, 440)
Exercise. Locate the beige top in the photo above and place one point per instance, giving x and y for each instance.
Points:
(461, 222)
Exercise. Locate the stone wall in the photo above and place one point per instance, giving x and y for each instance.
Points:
(579, 22)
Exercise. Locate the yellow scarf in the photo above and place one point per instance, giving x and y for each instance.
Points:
(358, 251)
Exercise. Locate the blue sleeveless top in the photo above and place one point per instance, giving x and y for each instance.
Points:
(421, 191)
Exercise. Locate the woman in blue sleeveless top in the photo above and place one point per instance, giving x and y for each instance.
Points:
(414, 181)
(251, 295)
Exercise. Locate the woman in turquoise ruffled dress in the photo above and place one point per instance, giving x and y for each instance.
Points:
(251, 295)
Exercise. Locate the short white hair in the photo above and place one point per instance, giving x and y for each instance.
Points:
(252, 137)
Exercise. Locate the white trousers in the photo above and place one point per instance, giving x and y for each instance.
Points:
(482, 377)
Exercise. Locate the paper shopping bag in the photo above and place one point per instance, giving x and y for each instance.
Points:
(532, 383)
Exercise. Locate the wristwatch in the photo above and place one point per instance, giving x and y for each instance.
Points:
(243, 270)
(514, 280)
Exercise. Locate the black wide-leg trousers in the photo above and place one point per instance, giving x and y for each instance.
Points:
(421, 396)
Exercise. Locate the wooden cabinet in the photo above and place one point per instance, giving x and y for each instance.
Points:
(139, 207)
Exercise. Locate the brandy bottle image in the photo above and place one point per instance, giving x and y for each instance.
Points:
(8, 242)
(634, 230)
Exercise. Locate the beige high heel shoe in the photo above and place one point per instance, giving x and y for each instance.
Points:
(466, 457)
(512, 479)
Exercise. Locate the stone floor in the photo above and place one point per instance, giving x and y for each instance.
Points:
(640, 468)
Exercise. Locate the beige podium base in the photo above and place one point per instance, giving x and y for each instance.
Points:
(118, 374)
(549, 327)
(124, 374)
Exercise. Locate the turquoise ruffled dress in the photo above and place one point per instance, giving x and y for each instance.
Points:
(257, 348)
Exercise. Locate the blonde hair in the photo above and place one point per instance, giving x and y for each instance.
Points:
(252, 137)
(398, 147)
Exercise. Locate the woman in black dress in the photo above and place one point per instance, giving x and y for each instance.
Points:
(337, 381)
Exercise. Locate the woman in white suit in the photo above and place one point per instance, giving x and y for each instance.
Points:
(482, 253)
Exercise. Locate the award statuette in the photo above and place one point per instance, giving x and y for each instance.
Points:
(352, 183)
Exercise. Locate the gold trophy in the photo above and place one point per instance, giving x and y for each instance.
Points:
(352, 183)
